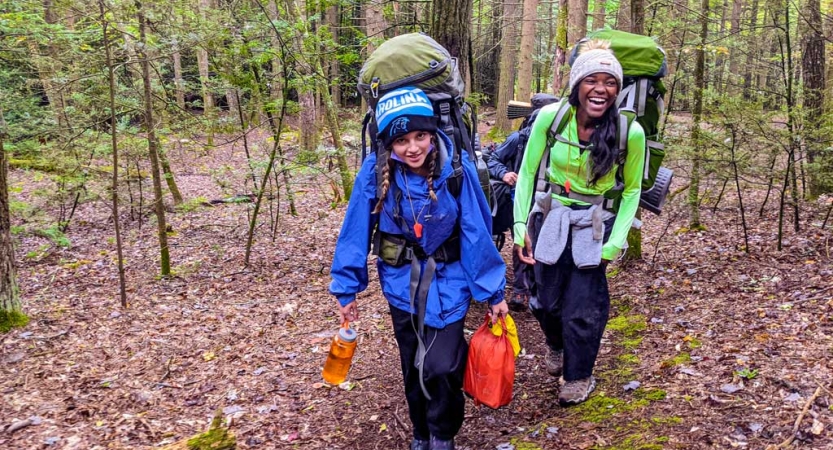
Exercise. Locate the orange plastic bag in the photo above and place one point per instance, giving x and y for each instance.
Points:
(490, 368)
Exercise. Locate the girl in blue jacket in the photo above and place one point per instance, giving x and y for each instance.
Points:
(435, 254)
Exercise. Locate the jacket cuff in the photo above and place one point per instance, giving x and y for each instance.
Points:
(610, 252)
(497, 298)
(346, 299)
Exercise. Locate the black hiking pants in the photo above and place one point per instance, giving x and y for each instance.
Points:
(522, 273)
(572, 307)
(444, 366)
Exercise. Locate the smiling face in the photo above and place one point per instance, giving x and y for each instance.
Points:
(412, 148)
(596, 93)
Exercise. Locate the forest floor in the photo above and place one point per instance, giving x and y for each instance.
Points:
(708, 346)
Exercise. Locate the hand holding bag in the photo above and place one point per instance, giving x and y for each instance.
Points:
(490, 368)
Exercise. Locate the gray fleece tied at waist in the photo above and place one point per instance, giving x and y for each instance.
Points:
(586, 225)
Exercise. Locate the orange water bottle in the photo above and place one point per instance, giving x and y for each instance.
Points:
(341, 355)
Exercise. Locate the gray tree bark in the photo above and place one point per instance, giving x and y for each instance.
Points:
(527, 53)
(508, 59)
(9, 292)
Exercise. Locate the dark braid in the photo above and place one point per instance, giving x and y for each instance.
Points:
(432, 162)
(603, 150)
(385, 186)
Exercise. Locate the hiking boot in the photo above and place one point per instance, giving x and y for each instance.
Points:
(575, 392)
(555, 362)
(419, 444)
(517, 302)
(439, 444)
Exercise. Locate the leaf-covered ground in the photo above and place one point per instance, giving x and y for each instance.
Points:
(708, 346)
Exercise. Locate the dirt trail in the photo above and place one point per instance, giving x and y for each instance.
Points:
(727, 349)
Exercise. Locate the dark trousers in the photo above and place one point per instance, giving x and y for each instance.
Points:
(524, 280)
(572, 308)
(444, 366)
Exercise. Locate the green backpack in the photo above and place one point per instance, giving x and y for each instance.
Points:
(415, 59)
(641, 99)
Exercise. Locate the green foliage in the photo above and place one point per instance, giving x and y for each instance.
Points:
(12, 319)
(55, 235)
(192, 204)
(747, 373)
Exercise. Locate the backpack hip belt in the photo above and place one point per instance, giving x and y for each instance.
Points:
(396, 251)
(599, 200)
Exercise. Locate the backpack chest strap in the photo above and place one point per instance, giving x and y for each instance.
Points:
(599, 200)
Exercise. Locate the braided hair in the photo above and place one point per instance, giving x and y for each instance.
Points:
(432, 164)
(431, 161)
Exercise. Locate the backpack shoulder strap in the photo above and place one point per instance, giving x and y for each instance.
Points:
(562, 118)
(626, 118)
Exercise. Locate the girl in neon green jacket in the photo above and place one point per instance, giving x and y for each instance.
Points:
(573, 232)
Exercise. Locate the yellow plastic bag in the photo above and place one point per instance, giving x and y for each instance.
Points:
(511, 333)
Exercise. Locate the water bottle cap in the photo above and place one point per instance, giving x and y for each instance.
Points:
(347, 334)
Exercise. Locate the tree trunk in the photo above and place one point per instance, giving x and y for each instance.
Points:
(179, 84)
(623, 16)
(599, 14)
(697, 114)
(450, 27)
(719, 64)
(508, 55)
(333, 69)
(47, 66)
(559, 74)
(209, 112)
(638, 16)
(734, 30)
(374, 26)
(527, 53)
(10, 312)
(813, 63)
(752, 49)
(276, 82)
(170, 179)
(577, 26)
(305, 85)
(159, 207)
(111, 78)
(374, 29)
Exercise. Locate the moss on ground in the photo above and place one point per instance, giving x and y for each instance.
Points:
(682, 358)
(630, 327)
(216, 438)
(520, 444)
(653, 395)
(12, 319)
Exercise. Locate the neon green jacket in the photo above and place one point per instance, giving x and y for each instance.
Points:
(569, 162)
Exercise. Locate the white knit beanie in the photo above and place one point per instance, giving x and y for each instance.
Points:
(595, 57)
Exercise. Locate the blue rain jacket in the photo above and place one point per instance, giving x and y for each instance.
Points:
(480, 272)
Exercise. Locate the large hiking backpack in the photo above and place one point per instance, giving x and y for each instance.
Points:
(503, 198)
(415, 59)
(641, 99)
